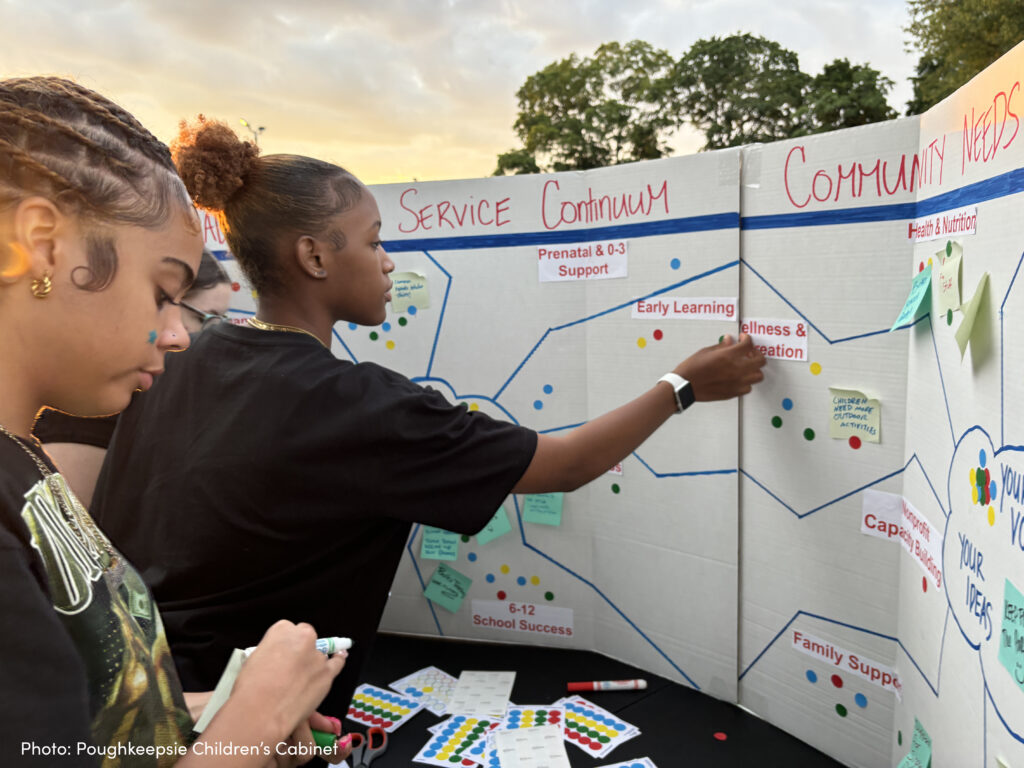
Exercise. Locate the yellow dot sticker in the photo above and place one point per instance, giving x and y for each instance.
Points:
(641, 342)
(815, 368)
(506, 569)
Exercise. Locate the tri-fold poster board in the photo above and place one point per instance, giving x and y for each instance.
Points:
(841, 551)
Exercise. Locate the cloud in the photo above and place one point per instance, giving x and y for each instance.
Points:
(423, 90)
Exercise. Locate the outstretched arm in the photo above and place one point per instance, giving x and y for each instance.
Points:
(564, 463)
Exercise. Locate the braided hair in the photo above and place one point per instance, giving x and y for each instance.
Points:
(90, 157)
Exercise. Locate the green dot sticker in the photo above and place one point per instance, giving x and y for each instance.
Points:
(899, 738)
(465, 538)
(603, 739)
(949, 317)
(808, 434)
(402, 321)
(615, 488)
(549, 596)
(776, 421)
(840, 710)
(373, 336)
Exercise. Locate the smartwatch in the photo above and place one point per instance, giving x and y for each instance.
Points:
(682, 389)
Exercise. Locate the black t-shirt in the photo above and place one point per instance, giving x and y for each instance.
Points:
(263, 478)
(83, 659)
(53, 426)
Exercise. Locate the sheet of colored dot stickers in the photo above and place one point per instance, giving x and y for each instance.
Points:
(594, 730)
(518, 717)
(377, 706)
(459, 740)
(536, 747)
(640, 762)
(430, 685)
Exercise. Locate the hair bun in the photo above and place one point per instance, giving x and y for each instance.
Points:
(212, 161)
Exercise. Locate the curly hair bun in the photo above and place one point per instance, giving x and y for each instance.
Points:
(212, 161)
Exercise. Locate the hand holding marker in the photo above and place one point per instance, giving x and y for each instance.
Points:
(327, 646)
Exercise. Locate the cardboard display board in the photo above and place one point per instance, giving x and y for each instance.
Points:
(842, 552)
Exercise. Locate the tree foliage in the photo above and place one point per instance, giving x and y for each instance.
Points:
(613, 107)
(956, 40)
(620, 104)
(741, 89)
(845, 95)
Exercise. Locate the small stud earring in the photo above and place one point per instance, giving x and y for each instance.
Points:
(42, 286)
(321, 273)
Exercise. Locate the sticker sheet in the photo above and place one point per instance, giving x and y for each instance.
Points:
(431, 686)
(593, 729)
(482, 693)
(461, 741)
(541, 747)
(376, 706)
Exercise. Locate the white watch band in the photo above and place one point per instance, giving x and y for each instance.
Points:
(678, 384)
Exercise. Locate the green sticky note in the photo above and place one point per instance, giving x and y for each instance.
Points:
(854, 414)
(543, 508)
(409, 289)
(963, 333)
(920, 755)
(439, 544)
(495, 529)
(919, 301)
(1011, 639)
(447, 587)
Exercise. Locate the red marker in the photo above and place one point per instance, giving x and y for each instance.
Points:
(609, 685)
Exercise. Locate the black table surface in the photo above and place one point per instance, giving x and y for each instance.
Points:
(678, 724)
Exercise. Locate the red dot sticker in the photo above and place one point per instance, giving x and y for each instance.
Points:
(837, 681)
(657, 335)
(501, 595)
(236, 287)
(721, 736)
(854, 442)
(467, 762)
(596, 745)
(924, 583)
(920, 266)
(387, 724)
(574, 735)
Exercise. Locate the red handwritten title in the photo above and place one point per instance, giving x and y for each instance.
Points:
(874, 177)
(558, 209)
(453, 214)
(984, 129)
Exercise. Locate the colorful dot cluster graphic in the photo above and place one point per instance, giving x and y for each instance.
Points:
(377, 707)
(387, 328)
(591, 729)
(462, 735)
(859, 699)
(505, 569)
(983, 487)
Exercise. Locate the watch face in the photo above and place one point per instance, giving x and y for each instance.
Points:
(685, 397)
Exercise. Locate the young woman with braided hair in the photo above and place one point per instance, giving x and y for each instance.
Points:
(298, 476)
(98, 242)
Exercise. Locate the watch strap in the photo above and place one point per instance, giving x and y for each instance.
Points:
(681, 389)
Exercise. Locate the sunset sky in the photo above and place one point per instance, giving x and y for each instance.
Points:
(398, 90)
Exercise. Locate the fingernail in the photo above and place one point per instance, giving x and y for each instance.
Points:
(345, 741)
(337, 725)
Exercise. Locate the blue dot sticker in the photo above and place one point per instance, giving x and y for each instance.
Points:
(812, 676)
(411, 310)
(861, 699)
(538, 404)
(548, 389)
(521, 581)
(992, 489)
(787, 404)
(386, 327)
(982, 458)
(352, 326)
(472, 557)
(490, 578)
(674, 263)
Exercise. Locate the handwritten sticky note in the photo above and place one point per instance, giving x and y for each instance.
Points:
(495, 529)
(447, 587)
(949, 283)
(919, 301)
(409, 289)
(439, 544)
(920, 755)
(854, 414)
(543, 508)
(963, 333)
(1011, 639)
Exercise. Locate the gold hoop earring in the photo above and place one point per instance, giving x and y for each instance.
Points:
(42, 286)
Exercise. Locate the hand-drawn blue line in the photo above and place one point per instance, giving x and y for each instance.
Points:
(984, 721)
(686, 224)
(807, 320)
(528, 545)
(684, 474)
(999, 714)
(938, 500)
(617, 307)
(241, 311)
(1002, 347)
(343, 344)
(855, 491)
(798, 614)
(1005, 184)
(942, 379)
(457, 396)
(444, 306)
(423, 584)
